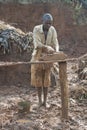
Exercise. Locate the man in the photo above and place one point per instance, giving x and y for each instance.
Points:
(45, 42)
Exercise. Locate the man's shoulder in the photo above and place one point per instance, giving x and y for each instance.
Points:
(53, 28)
(38, 27)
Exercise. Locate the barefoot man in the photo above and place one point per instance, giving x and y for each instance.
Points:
(45, 42)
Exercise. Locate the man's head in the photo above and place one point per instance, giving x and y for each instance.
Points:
(47, 20)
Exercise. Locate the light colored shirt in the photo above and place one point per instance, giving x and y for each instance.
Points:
(39, 38)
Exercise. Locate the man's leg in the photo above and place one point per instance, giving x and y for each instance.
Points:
(45, 93)
(39, 89)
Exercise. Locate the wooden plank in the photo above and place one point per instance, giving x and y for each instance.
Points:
(55, 56)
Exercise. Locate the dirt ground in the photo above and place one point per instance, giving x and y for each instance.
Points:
(15, 80)
(44, 119)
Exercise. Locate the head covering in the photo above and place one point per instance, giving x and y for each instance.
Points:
(47, 17)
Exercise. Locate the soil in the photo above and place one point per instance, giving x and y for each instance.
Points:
(41, 118)
(15, 80)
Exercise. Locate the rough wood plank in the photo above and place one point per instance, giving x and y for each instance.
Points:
(54, 56)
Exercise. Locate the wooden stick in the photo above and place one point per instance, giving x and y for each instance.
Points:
(35, 62)
(64, 88)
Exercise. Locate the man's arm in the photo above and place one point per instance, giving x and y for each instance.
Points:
(36, 39)
(55, 41)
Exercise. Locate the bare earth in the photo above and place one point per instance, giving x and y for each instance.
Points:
(43, 119)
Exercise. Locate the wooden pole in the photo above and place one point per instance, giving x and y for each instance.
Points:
(36, 62)
(64, 88)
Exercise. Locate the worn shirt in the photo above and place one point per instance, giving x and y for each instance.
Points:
(39, 37)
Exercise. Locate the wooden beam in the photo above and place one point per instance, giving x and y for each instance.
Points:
(64, 89)
(55, 56)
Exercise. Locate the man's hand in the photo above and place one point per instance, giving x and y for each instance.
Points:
(48, 50)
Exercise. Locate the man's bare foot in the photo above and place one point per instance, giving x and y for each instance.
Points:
(40, 105)
(46, 105)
